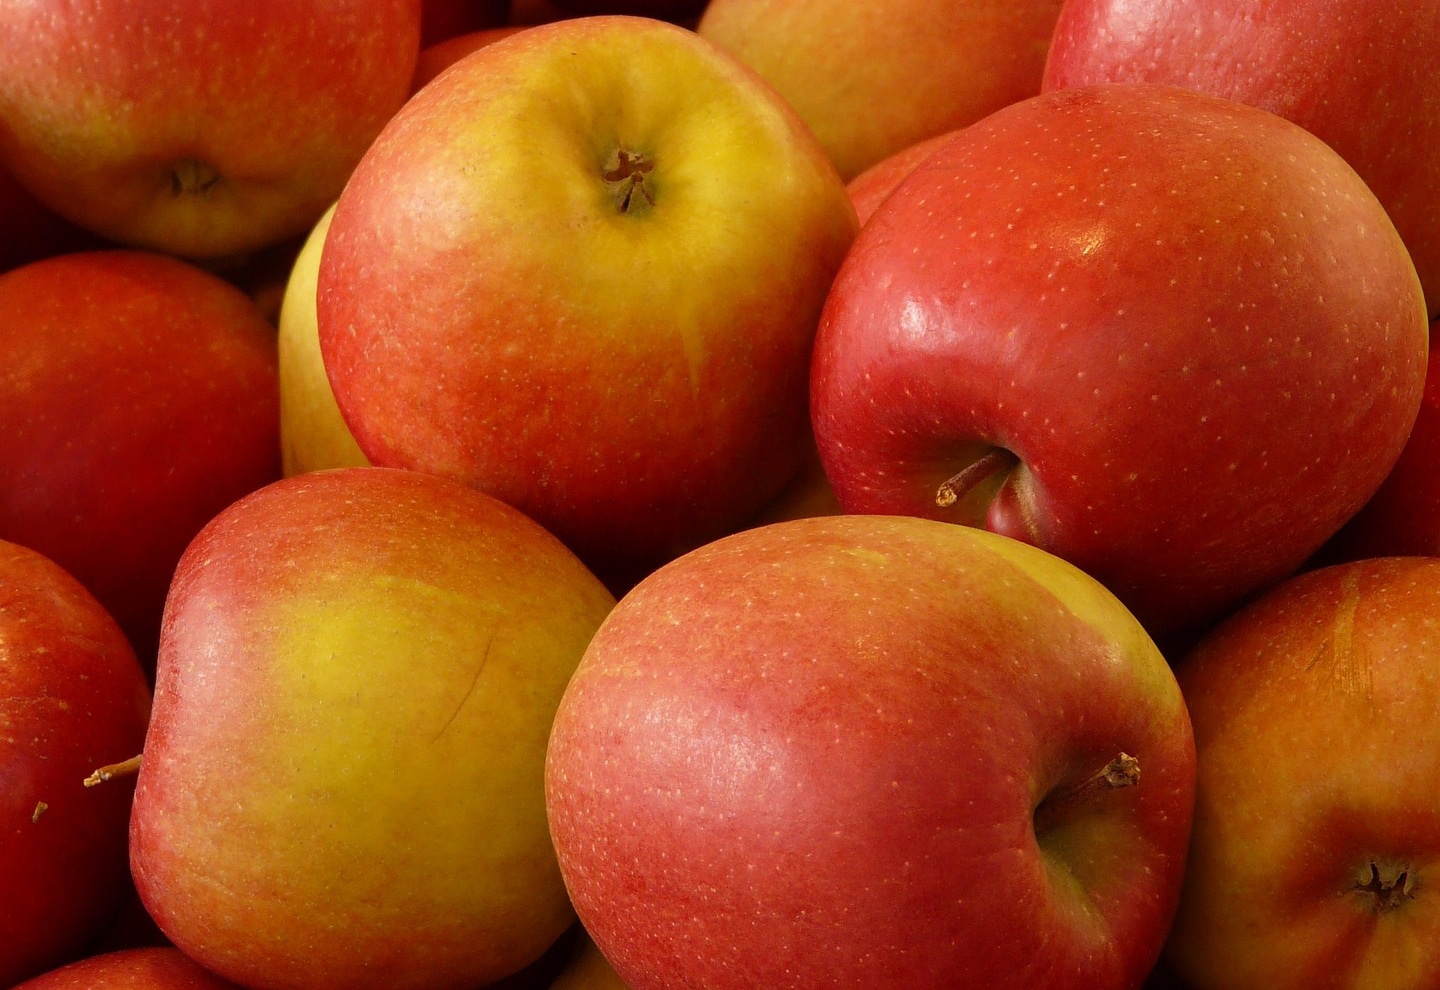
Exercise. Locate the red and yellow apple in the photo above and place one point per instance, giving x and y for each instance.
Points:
(151, 968)
(873, 78)
(1171, 338)
(198, 127)
(1316, 840)
(342, 784)
(872, 752)
(581, 271)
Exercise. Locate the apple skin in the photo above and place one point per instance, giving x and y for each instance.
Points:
(176, 131)
(73, 698)
(1360, 78)
(1402, 518)
(1147, 296)
(435, 59)
(145, 968)
(139, 398)
(342, 783)
(441, 20)
(313, 434)
(871, 79)
(492, 309)
(871, 187)
(812, 754)
(1314, 717)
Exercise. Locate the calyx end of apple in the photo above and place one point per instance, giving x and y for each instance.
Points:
(626, 174)
(192, 177)
(1389, 889)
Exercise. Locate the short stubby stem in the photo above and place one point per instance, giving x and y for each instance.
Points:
(954, 488)
(1121, 772)
(192, 177)
(110, 771)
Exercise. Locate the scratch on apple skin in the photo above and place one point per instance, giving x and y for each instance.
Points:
(1337, 657)
(474, 681)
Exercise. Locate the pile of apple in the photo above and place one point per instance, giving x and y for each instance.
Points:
(758, 494)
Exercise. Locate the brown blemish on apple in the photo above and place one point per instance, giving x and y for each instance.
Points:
(1337, 656)
(954, 488)
(110, 771)
(192, 178)
(40, 808)
(625, 175)
(1389, 891)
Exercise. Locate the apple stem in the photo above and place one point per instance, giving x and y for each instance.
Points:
(1122, 771)
(955, 487)
(122, 769)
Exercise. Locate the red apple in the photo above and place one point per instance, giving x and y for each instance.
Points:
(1316, 836)
(873, 78)
(1403, 516)
(1170, 338)
(157, 968)
(872, 752)
(438, 57)
(871, 187)
(139, 398)
(1363, 77)
(198, 127)
(342, 785)
(73, 699)
(581, 271)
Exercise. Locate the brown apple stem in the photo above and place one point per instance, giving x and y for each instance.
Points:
(955, 487)
(1122, 771)
(122, 769)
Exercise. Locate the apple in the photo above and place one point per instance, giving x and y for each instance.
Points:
(198, 127)
(342, 784)
(313, 434)
(871, 79)
(872, 752)
(1361, 77)
(1170, 338)
(679, 11)
(73, 699)
(1402, 518)
(581, 271)
(1315, 837)
(139, 398)
(148, 968)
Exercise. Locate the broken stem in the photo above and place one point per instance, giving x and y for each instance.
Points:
(954, 488)
(124, 768)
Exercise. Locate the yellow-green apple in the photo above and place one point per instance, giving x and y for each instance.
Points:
(581, 271)
(197, 127)
(139, 398)
(1402, 518)
(1171, 338)
(73, 699)
(872, 752)
(147, 968)
(1316, 838)
(1363, 77)
(871, 79)
(313, 434)
(342, 784)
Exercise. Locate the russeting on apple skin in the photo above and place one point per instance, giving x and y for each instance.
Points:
(872, 752)
(342, 784)
(581, 271)
(1168, 337)
(1316, 842)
